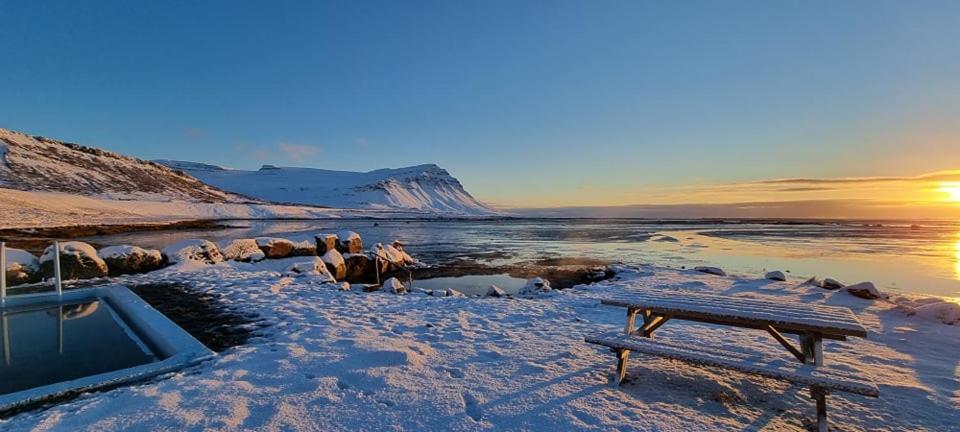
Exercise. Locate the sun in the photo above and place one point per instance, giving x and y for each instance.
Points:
(952, 190)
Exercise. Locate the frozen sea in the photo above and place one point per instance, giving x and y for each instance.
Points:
(918, 257)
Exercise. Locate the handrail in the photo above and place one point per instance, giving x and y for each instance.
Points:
(58, 279)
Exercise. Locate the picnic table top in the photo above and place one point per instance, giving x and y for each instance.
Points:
(830, 320)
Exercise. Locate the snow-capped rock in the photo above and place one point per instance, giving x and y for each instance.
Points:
(942, 311)
(78, 260)
(864, 290)
(776, 275)
(127, 259)
(349, 242)
(495, 291)
(22, 267)
(535, 285)
(335, 263)
(274, 247)
(359, 267)
(426, 188)
(243, 250)
(314, 267)
(325, 242)
(394, 285)
(710, 270)
(304, 248)
(196, 250)
(831, 284)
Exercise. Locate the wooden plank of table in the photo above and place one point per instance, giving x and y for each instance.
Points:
(829, 321)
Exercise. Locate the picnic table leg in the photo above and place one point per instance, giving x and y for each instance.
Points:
(820, 396)
(631, 321)
(647, 318)
(622, 356)
(812, 346)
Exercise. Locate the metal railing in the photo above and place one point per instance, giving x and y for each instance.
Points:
(58, 280)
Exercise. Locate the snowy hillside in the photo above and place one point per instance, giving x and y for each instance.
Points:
(35, 164)
(427, 188)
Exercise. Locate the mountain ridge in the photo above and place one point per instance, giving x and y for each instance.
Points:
(425, 187)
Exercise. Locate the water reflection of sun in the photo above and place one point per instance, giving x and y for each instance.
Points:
(957, 246)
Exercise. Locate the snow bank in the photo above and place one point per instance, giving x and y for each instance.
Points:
(943, 311)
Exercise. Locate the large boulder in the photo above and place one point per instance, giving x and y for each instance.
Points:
(325, 242)
(775, 275)
(314, 268)
(22, 267)
(193, 250)
(349, 242)
(831, 284)
(392, 257)
(304, 248)
(394, 285)
(335, 263)
(534, 286)
(710, 270)
(864, 290)
(126, 259)
(274, 247)
(243, 250)
(78, 260)
(359, 267)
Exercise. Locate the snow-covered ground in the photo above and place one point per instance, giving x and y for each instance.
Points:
(333, 360)
(28, 209)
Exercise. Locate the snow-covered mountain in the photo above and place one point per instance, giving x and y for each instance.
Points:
(30, 163)
(427, 188)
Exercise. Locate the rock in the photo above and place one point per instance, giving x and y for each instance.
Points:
(243, 250)
(128, 259)
(495, 291)
(304, 248)
(813, 281)
(776, 275)
(314, 267)
(344, 286)
(22, 267)
(359, 267)
(392, 257)
(710, 270)
(666, 238)
(196, 250)
(335, 263)
(394, 285)
(78, 260)
(325, 242)
(864, 290)
(274, 247)
(535, 285)
(349, 242)
(946, 312)
(454, 293)
(831, 284)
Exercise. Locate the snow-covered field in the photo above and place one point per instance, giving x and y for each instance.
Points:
(334, 360)
(29, 209)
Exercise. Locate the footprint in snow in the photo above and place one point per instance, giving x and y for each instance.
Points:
(471, 406)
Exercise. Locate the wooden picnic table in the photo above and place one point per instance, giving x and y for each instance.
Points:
(812, 323)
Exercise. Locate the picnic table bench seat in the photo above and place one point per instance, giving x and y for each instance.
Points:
(770, 366)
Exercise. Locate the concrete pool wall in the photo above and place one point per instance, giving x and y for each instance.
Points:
(173, 347)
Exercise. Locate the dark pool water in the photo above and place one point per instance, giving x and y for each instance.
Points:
(473, 284)
(50, 344)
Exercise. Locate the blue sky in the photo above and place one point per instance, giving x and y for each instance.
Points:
(529, 103)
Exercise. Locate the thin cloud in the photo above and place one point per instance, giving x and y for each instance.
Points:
(950, 175)
(298, 152)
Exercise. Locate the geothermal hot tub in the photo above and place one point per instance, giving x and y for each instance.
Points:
(68, 342)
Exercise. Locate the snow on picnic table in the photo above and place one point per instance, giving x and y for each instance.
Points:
(335, 360)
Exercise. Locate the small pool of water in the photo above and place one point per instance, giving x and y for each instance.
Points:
(473, 284)
(47, 344)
